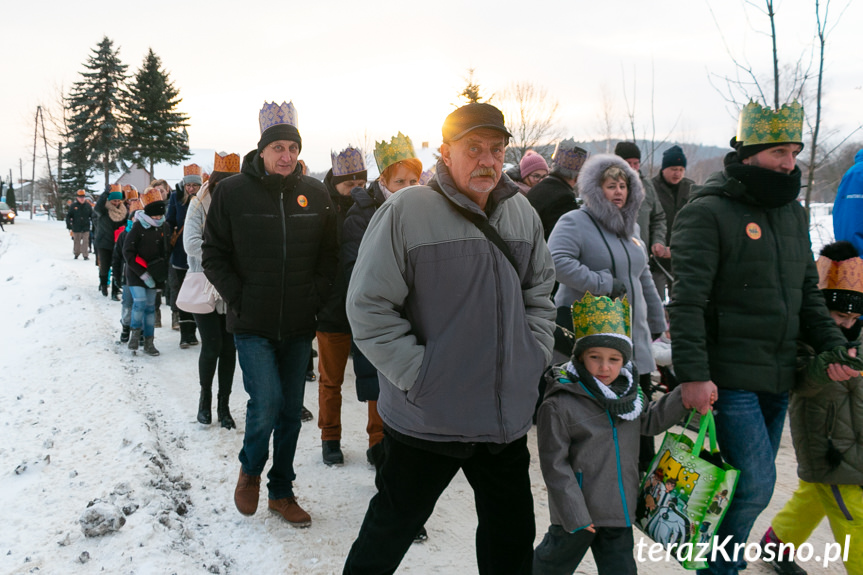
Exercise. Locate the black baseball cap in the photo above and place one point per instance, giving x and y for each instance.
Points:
(470, 117)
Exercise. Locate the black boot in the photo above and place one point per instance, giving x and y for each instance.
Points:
(223, 413)
(205, 405)
(149, 348)
(124, 335)
(134, 339)
(332, 452)
(103, 287)
(187, 334)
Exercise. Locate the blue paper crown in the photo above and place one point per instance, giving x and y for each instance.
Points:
(348, 161)
(275, 114)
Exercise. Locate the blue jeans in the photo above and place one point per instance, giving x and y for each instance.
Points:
(126, 310)
(274, 376)
(748, 429)
(143, 310)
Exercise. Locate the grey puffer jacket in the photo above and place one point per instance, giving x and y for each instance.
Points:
(579, 454)
(458, 335)
(599, 243)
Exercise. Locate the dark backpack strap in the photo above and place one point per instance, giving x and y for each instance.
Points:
(484, 226)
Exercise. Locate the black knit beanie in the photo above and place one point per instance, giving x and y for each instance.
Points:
(279, 132)
(673, 156)
(744, 152)
(156, 208)
(347, 177)
(627, 150)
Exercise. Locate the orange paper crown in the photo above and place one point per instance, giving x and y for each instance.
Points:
(151, 195)
(129, 192)
(224, 162)
(115, 188)
(842, 275)
(192, 170)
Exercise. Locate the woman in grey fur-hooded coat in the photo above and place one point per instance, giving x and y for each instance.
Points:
(599, 243)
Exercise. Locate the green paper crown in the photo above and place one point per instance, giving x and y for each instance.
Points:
(759, 125)
(600, 315)
(400, 148)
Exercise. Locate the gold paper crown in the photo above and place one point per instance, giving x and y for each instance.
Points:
(81, 193)
(130, 192)
(115, 188)
(348, 161)
(192, 170)
(600, 315)
(150, 195)
(135, 205)
(845, 275)
(273, 114)
(758, 125)
(224, 162)
(400, 148)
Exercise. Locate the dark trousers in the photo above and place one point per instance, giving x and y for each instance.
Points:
(561, 552)
(104, 256)
(217, 349)
(411, 480)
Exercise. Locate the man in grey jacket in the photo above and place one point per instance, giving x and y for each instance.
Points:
(459, 332)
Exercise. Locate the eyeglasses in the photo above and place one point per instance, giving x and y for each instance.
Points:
(535, 177)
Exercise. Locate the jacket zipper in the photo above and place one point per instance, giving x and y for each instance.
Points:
(631, 298)
(784, 299)
(498, 383)
(284, 261)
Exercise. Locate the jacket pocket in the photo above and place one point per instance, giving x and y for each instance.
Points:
(415, 390)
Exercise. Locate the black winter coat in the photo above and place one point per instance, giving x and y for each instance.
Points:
(151, 245)
(105, 226)
(176, 219)
(551, 198)
(78, 217)
(270, 249)
(745, 289)
(333, 318)
(366, 203)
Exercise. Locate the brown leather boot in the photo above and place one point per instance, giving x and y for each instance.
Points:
(291, 511)
(247, 492)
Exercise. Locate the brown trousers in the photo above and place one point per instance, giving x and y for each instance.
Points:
(81, 244)
(333, 352)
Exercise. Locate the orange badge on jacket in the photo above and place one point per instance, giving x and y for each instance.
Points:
(753, 230)
(303, 201)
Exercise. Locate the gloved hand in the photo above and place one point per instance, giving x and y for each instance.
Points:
(618, 289)
(148, 281)
(817, 370)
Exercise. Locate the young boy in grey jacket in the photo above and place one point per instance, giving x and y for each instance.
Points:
(588, 429)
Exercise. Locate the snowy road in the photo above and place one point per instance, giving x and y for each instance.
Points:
(84, 421)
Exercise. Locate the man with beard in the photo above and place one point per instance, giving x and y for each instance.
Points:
(745, 288)
(449, 299)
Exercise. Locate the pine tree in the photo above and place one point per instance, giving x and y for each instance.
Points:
(156, 130)
(76, 171)
(96, 108)
(10, 198)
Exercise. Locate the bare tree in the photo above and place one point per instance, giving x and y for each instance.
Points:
(530, 116)
(606, 116)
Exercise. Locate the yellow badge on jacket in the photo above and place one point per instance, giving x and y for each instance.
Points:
(753, 230)
(303, 201)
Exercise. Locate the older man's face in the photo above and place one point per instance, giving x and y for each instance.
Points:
(280, 157)
(475, 162)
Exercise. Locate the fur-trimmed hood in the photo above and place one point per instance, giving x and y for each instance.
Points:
(620, 221)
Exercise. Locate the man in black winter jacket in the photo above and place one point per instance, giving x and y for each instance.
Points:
(78, 222)
(270, 249)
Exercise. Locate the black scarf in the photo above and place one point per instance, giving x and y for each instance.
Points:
(765, 187)
(626, 391)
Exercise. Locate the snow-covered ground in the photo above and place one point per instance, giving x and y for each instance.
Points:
(82, 421)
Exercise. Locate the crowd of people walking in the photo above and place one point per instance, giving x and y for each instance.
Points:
(449, 290)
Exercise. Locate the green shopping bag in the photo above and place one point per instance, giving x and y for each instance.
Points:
(685, 494)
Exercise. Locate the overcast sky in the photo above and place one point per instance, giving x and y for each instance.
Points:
(365, 70)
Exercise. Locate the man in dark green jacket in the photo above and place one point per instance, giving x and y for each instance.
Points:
(745, 288)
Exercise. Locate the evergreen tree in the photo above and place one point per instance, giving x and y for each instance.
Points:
(76, 171)
(156, 130)
(96, 108)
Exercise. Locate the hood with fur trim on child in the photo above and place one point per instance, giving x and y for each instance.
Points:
(620, 221)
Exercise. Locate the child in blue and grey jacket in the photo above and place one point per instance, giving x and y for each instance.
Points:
(588, 429)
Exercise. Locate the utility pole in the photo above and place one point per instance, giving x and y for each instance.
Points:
(33, 181)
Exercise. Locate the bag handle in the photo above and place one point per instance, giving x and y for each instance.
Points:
(707, 428)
